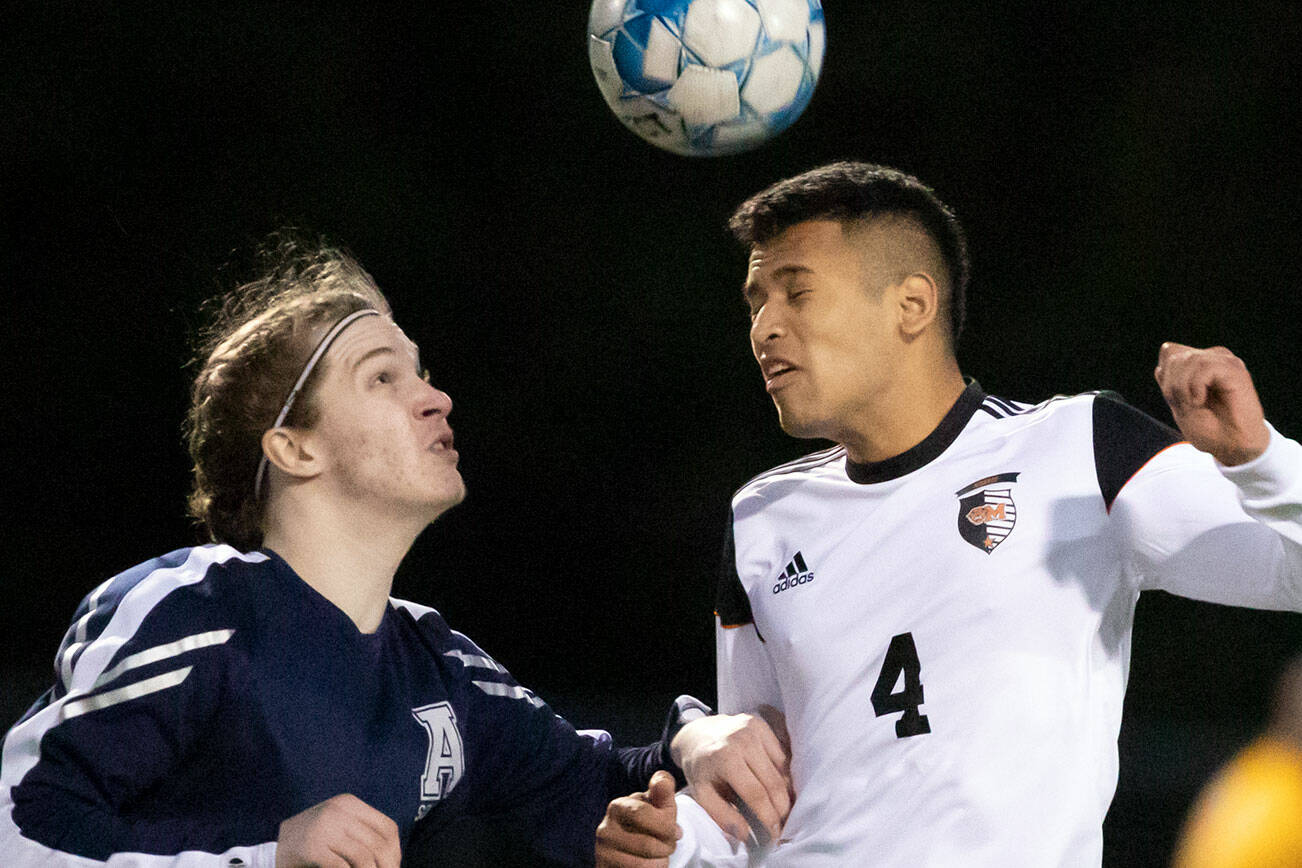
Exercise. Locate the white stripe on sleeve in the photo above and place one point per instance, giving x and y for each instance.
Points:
(77, 635)
(514, 691)
(21, 745)
(132, 691)
(162, 652)
(477, 661)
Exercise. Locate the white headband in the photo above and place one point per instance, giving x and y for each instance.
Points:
(302, 378)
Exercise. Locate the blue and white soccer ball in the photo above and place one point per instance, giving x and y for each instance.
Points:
(706, 77)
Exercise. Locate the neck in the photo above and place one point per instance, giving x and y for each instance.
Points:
(346, 554)
(901, 416)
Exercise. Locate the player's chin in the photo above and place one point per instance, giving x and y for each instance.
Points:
(797, 423)
(457, 492)
(448, 495)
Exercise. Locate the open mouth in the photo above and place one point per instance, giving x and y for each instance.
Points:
(777, 374)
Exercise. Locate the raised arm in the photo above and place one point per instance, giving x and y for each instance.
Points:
(1218, 518)
(1214, 402)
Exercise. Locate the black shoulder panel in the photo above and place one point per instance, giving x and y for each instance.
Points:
(1124, 440)
(731, 603)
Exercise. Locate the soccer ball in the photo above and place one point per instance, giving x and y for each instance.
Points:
(706, 77)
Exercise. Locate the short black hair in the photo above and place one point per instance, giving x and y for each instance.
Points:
(850, 192)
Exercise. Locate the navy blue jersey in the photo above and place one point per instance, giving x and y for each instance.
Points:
(204, 697)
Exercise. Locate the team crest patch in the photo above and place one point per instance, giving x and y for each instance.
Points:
(986, 512)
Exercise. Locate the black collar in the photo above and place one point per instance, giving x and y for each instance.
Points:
(926, 451)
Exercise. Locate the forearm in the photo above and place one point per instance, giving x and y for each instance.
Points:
(634, 766)
(49, 828)
(1224, 535)
(1270, 487)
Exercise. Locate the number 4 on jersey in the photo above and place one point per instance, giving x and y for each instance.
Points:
(901, 657)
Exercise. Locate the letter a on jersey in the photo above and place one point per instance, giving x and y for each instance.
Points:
(986, 512)
(445, 761)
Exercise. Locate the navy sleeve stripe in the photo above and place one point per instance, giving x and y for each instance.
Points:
(1125, 439)
(1004, 404)
(731, 604)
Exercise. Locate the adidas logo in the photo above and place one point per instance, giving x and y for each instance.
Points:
(795, 574)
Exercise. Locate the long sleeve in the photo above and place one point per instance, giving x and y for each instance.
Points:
(746, 681)
(531, 768)
(138, 683)
(1230, 535)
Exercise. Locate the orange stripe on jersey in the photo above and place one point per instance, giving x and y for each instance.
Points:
(729, 626)
(1141, 467)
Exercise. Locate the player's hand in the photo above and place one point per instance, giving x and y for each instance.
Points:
(641, 830)
(1213, 401)
(726, 757)
(341, 832)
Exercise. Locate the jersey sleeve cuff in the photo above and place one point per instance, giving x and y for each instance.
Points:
(1272, 475)
(703, 842)
(684, 710)
(258, 856)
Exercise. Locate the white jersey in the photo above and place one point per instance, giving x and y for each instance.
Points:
(948, 632)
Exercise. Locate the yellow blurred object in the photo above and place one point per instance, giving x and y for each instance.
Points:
(1250, 815)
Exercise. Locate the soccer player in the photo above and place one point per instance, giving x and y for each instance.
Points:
(262, 701)
(941, 604)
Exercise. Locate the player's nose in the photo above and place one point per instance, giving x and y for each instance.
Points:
(766, 325)
(433, 402)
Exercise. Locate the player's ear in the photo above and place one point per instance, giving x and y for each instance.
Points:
(292, 452)
(917, 303)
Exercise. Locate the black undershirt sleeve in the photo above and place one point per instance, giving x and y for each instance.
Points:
(731, 604)
(1124, 441)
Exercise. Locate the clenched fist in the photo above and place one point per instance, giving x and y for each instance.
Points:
(1213, 401)
(341, 832)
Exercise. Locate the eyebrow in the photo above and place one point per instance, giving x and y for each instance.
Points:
(388, 350)
(372, 353)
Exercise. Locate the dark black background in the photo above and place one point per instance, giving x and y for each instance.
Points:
(1122, 173)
